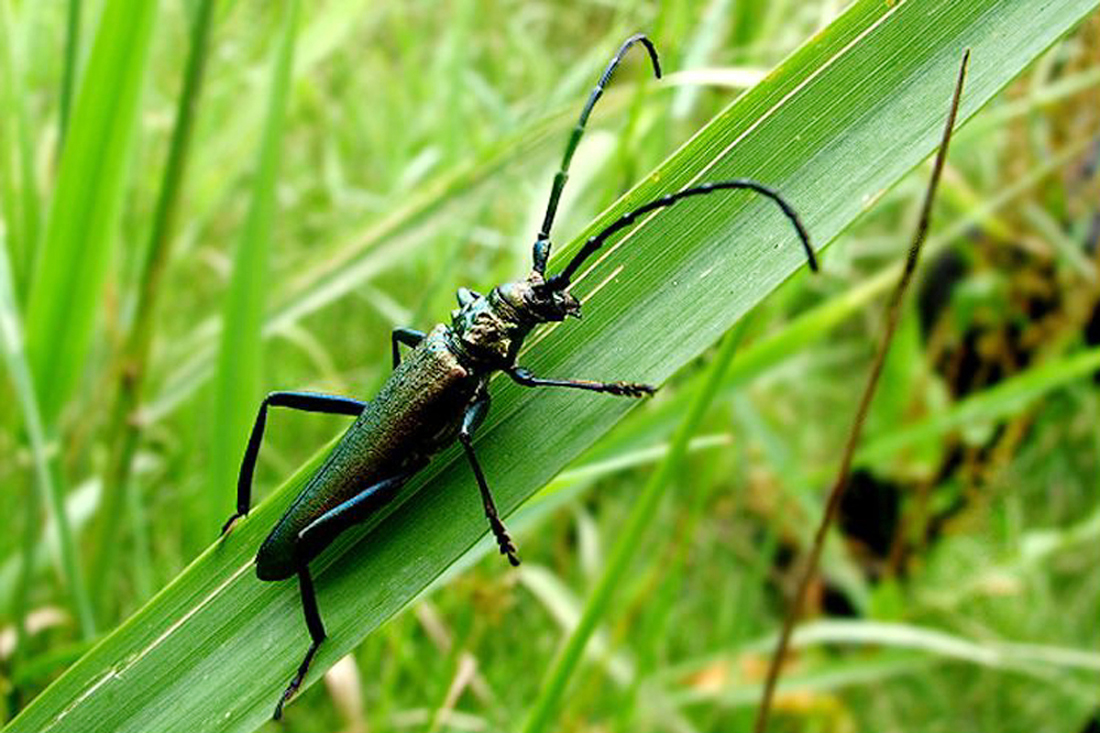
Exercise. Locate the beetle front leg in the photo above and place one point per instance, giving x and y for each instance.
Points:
(305, 401)
(620, 389)
(475, 414)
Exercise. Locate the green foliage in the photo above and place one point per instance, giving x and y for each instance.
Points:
(67, 287)
(415, 156)
(239, 377)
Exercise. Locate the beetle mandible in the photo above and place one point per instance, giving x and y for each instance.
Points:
(439, 392)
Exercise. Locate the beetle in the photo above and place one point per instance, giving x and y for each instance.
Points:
(439, 393)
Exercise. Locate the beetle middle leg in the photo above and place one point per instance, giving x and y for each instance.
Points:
(620, 389)
(305, 401)
(473, 418)
(407, 336)
(318, 535)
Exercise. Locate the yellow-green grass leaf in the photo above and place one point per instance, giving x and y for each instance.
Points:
(840, 120)
(80, 229)
(19, 196)
(237, 386)
(60, 542)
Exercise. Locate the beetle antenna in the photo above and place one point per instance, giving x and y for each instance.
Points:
(562, 279)
(542, 243)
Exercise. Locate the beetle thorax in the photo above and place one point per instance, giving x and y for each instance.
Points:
(489, 329)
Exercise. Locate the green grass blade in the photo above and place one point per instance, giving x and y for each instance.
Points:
(839, 121)
(238, 380)
(817, 323)
(892, 643)
(547, 707)
(19, 197)
(124, 431)
(11, 343)
(1025, 657)
(68, 74)
(80, 229)
(80, 505)
(999, 402)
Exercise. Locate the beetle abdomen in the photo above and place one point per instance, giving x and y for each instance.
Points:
(417, 412)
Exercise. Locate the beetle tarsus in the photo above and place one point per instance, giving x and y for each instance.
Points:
(629, 389)
(296, 682)
(504, 540)
(316, 635)
(230, 522)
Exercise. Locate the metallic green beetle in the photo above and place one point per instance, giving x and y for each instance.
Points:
(439, 392)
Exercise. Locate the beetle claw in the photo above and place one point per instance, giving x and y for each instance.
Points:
(630, 389)
(508, 548)
(229, 523)
(287, 694)
(504, 541)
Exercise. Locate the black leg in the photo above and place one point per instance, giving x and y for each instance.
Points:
(621, 389)
(407, 336)
(475, 413)
(316, 635)
(318, 535)
(306, 401)
(542, 242)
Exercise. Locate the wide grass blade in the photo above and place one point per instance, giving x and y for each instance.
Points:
(238, 382)
(80, 229)
(819, 322)
(839, 121)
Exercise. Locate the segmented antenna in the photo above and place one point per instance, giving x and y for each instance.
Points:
(561, 280)
(542, 243)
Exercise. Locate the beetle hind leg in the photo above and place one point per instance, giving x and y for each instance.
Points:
(316, 635)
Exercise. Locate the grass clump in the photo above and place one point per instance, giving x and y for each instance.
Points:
(416, 155)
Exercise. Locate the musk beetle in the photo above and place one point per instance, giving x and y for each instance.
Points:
(439, 392)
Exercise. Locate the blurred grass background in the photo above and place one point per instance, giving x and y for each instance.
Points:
(961, 590)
